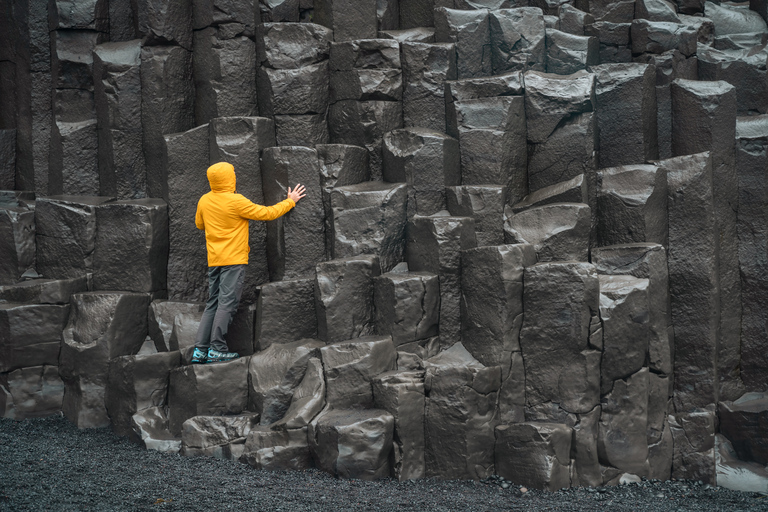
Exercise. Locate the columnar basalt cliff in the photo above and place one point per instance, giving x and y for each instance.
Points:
(534, 241)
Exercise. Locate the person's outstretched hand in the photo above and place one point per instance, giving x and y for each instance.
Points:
(297, 193)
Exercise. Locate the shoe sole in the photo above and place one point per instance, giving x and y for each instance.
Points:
(222, 360)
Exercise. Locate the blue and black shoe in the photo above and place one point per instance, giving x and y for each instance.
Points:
(214, 356)
(200, 356)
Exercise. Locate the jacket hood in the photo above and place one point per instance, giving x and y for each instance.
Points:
(221, 176)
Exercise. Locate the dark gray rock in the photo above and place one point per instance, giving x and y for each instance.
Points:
(8, 158)
(292, 45)
(43, 291)
(353, 443)
(573, 20)
(632, 205)
(102, 326)
(349, 19)
(626, 113)
(277, 450)
(744, 69)
(460, 415)
(187, 256)
(621, 11)
(694, 289)
(365, 54)
(470, 32)
(308, 398)
(561, 365)
(196, 390)
(164, 22)
(136, 383)
(279, 306)
(275, 373)
(690, 6)
(662, 36)
(568, 53)
(221, 12)
(734, 41)
(407, 305)
(705, 29)
(485, 204)
(122, 21)
(66, 234)
(370, 218)
(426, 67)
(301, 129)
(222, 437)
(161, 319)
(551, 98)
(303, 90)
(401, 393)
(295, 241)
(225, 76)
(508, 84)
(417, 13)
(277, 11)
(151, 427)
(622, 441)
(131, 247)
(344, 297)
(694, 445)
(90, 15)
(366, 85)
(388, 14)
(410, 35)
(167, 106)
(31, 392)
(656, 10)
(18, 248)
(730, 19)
(517, 40)
(660, 449)
(535, 455)
(350, 367)
(557, 231)
(741, 422)
(71, 64)
(572, 191)
(434, 245)
(31, 334)
(751, 159)
(704, 119)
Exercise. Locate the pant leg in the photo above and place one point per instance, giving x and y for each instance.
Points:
(203, 337)
(230, 290)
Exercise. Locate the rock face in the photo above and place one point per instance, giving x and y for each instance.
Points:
(535, 455)
(558, 231)
(17, 224)
(222, 437)
(407, 305)
(281, 302)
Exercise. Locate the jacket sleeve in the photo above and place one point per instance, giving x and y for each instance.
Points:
(253, 211)
(199, 218)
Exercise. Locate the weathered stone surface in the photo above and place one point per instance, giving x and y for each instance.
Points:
(303, 90)
(295, 241)
(558, 231)
(43, 291)
(632, 205)
(624, 312)
(277, 450)
(274, 375)
(350, 367)
(492, 302)
(388, 14)
(18, 249)
(366, 85)
(660, 449)
(626, 113)
(733, 20)
(30, 392)
(426, 67)
(131, 246)
(370, 218)
(656, 10)
(742, 422)
(694, 445)
(622, 441)
(277, 11)
(704, 27)
(344, 297)
(151, 427)
(508, 84)
(425, 34)
(161, 319)
(734, 41)
(572, 191)
(662, 36)
(187, 258)
(365, 54)
(222, 12)
(485, 204)
(568, 53)
(164, 22)
(308, 398)
(434, 245)
(349, 19)
(751, 161)
(470, 32)
(744, 69)
(353, 443)
(407, 305)
(301, 129)
(279, 305)
(704, 119)
(102, 326)
(535, 455)
(196, 390)
(292, 45)
(401, 393)
(645, 261)
(693, 287)
(621, 11)
(460, 415)
(517, 40)
(690, 6)
(573, 20)
(225, 75)
(66, 234)
(561, 365)
(364, 123)
(736, 474)
(8, 158)
(135, 383)
(551, 98)
(222, 437)
(91, 15)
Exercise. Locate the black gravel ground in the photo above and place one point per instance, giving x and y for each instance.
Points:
(48, 464)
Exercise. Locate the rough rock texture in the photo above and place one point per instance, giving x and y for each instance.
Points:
(557, 231)
(742, 68)
(162, 318)
(150, 426)
(551, 98)
(349, 19)
(31, 392)
(573, 190)
(661, 36)
(535, 455)
(517, 40)
(18, 248)
(460, 415)
(43, 291)
(279, 304)
(568, 53)
(308, 398)
(741, 422)
(277, 450)
(694, 444)
(470, 32)
(485, 204)
(426, 67)
(407, 305)
(222, 437)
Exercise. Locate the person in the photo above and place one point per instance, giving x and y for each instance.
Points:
(224, 214)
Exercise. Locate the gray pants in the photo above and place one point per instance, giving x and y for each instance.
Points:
(225, 286)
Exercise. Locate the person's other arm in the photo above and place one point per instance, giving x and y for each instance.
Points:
(253, 211)
(199, 218)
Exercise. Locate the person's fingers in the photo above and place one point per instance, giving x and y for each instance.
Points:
(289, 190)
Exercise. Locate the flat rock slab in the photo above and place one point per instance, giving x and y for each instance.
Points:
(43, 291)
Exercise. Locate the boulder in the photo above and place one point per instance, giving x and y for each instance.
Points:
(222, 437)
(470, 32)
(535, 455)
(557, 231)
(308, 398)
(277, 450)
(426, 67)
(285, 312)
(150, 426)
(18, 248)
(517, 40)
(31, 392)
(484, 204)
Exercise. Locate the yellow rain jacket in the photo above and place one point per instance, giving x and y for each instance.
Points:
(223, 214)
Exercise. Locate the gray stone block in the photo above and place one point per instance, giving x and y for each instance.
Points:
(740, 422)
(164, 21)
(18, 249)
(31, 392)
(656, 10)
(301, 129)
(535, 455)
(572, 191)
(568, 53)
(277, 450)
(661, 36)
(89, 15)
(419, 34)
(694, 444)
(621, 11)
(573, 20)
(31, 334)
(292, 45)
(222, 437)
(744, 69)
(308, 398)
(349, 19)
(282, 10)
(8, 158)
(733, 20)
(558, 231)
(222, 12)
(303, 90)
(485, 204)
(407, 305)
(551, 98)
(470, 32)
(426, 67)
(151, 427)
(161, 320)
(518, 40)
(43, 291)
(279, 304)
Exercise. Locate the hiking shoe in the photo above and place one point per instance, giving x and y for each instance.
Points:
(214, 356)
(200, 356)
